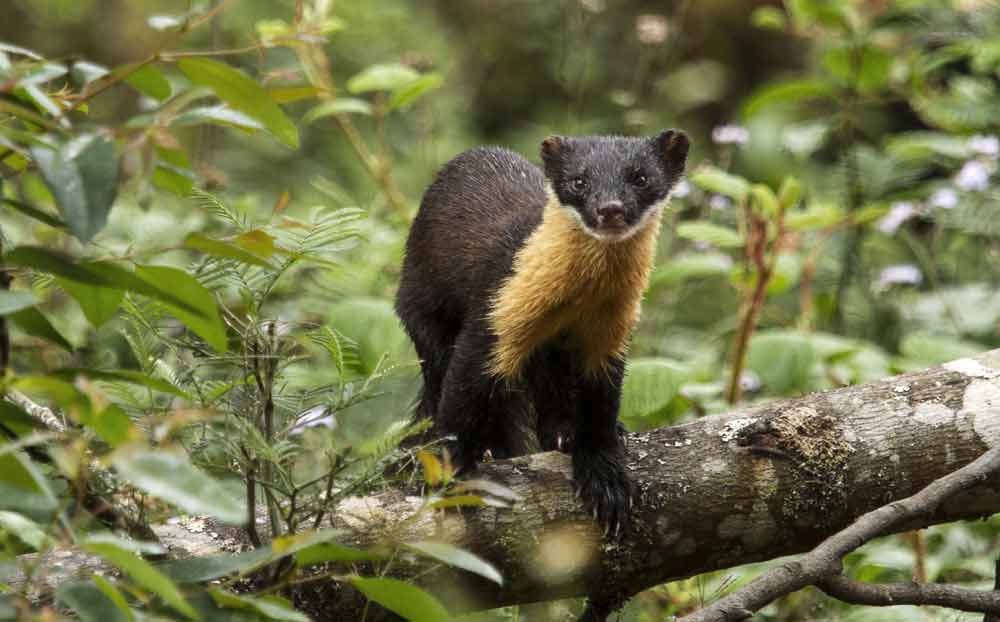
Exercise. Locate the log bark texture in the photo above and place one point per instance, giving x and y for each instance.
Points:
(759, 483)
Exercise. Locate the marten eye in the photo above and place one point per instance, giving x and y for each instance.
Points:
(640, 181)
(578, 184)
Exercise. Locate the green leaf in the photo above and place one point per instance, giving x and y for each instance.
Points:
(25, 529)
(242, 93)
(222, 248)
(787, 271)
(459, 558)
(373, 325)
(16, 420)
(789, 193)
(140, 571)
(84, 72)
(270, 607)
(138, 547)
(8, 611)
(82, 175)
(111, 424)
(872, 72)
(928, 146)
(34, 212)
(206, 322)
(763, 200)
(786, 92)
(832, 13)
(712, 179)
(388, 77)
(17, 50)
(686, 266)
(147, 79)
(120, 375)
(44, 260)
(173, 178)
(42, 73)
(35, 324)
(99, 304)
(783, 359)
(925, 349)
(171, 477)
(768, 18)
(712, 233)
(458, 501)
(409, 601)
(816, 217)
(11, 301)
(201, 569)
(217, 115)
(108, 589)
(649, 392)
(341, 105)
(22, 487)
(165, 291)
(287, 95)
(406, 96)
(333, 552)
(91, 603)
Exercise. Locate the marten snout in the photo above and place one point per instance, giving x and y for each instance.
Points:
(611, 215)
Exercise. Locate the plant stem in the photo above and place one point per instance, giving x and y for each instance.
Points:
(751, 309)
(317, 66)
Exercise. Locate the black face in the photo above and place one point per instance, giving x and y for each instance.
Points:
(611, 181)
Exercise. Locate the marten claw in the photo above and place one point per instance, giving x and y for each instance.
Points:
(604, 487)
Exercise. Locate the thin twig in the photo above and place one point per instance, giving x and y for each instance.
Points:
(46, 416)
(890, 594)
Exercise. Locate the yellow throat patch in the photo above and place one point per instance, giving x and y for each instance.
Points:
(568, 283)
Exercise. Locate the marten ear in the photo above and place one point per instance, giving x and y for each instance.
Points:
(672, 147)
(553, 150)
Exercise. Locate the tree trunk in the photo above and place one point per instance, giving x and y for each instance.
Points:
(763, 482)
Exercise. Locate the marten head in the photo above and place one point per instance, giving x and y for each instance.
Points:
(614, 185)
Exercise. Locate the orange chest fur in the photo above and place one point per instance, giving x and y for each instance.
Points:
(566, 283)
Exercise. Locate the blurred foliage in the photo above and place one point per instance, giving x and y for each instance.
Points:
(204, 209)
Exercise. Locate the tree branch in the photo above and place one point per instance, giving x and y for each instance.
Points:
(771, 480)
(889, 594)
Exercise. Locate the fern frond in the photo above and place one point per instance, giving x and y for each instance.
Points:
(217, 208)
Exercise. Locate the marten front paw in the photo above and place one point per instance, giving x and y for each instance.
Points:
(605, 488)
(461, 456)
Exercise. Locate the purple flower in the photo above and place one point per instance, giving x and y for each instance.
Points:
(750, 381)
(652, 29)
(730, 135)
(985, 145)
(314, 417)
(900, 212)
(719, 202)
(974, 176)
(943, 198)
(681, 190)
(900, 274)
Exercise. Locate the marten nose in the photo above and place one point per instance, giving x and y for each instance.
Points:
(611, 211)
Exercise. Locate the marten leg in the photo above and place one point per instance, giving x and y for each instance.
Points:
(599, 453)
(464, 408)
(433, 337)
(551, 376)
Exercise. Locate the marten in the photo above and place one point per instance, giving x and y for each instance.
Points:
(520, 288)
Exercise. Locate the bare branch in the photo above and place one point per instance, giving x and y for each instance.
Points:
(911, 593)
(46, 416)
